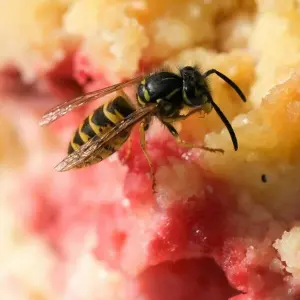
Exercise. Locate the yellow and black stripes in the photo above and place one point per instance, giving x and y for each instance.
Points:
(100, 121)
(120, 107)
(143, 96)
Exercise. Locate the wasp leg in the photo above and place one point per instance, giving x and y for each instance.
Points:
(183, 117)
(185, 144)
(228, 81)
(143, 128)
(128, 149)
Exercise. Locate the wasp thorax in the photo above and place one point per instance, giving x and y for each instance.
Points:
(194, 87)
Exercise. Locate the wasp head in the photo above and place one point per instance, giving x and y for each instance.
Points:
(195, 89)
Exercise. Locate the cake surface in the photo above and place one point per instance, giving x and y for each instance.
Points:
(220, 226)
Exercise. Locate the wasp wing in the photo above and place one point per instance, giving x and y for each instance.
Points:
(96, 143)
(62, 109)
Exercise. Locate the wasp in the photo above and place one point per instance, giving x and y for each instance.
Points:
(161, 94)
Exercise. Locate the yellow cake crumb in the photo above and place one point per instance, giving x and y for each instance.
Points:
(275, 44)
(31, 31)
(255, 43)
(288, 247)
(269, 145)
(114, 35)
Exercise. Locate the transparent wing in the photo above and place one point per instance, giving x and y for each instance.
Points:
(95, 144)
(62, 109)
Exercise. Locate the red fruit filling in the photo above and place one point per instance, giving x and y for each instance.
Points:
(183, 246)
(197, 279)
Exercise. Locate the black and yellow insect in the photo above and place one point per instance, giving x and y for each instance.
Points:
(162, 94)
(100, 122)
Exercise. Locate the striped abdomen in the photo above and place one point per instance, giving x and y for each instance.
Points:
(98, 123)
